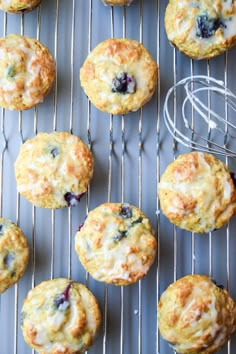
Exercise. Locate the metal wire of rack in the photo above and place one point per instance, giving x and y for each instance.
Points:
(130, 154)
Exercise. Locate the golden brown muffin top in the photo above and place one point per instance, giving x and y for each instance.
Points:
(195, 315)
(14, 253)
(197, 192)
(202, 28)
(53, 169)
(119, 76)
(116, 244)
(60, 316)
(27, 72)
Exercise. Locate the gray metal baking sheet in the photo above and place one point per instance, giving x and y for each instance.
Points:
(130, 154)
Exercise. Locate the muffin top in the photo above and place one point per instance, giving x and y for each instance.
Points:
(53, 170)
(18, 6)
(60, 316)
(195, 315)
(119, 76)
(14, 254)
(201, 29)
(27, 72)
(197, 192)
(116, 243)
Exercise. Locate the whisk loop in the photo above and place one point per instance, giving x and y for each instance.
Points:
(200, 126)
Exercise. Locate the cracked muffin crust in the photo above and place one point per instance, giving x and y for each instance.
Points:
(116, 243)
(60, 316)
(53, 170)
(27, 72)
(197, 192)
(14, 254)
(201, 29)
(19, 6)
(119, 76)
(195, 315)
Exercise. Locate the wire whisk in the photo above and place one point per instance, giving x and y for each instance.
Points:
(201, 115)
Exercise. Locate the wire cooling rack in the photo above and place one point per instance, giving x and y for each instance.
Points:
(130, 154)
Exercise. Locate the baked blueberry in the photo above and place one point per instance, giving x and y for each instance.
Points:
(124, 83)
(54, 152)
(72, 199)
(220, 286)
(62, 301)
(119, 235)
(8, 259)
(207, 26)
(126, 211)
(81, 225)
(137, 221)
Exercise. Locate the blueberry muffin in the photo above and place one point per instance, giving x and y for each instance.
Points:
(117, 2)
(201, 29)
(197, 192)
(60, 316)
(195, 315)
(27, 72)
(116, 243)
(119, 76)
(14, 254)
(53, 170)
(18, 6)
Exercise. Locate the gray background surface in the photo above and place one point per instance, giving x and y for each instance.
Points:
(130, 154)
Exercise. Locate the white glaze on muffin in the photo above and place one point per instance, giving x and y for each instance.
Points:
(14, 254)
(27, 72)
(119, 76)
(60, 316)
(116, 244)
(201, 29)
(197, 192)
(53, 170)
(195, 315)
